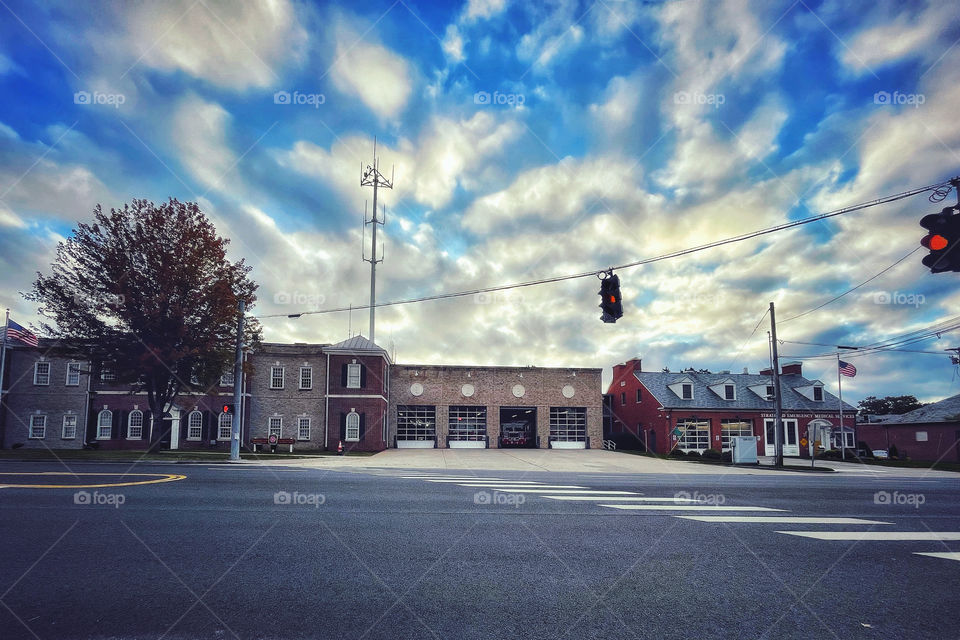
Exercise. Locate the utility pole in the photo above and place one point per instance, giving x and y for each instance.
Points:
(777, 411)
(237, 387)
(371, 177)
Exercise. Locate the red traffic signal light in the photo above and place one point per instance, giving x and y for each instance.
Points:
(227, 408)
(942, 240)
(611, 301)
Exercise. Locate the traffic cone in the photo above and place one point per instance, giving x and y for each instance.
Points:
(340, 448)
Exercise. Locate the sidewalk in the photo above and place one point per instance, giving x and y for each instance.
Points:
(586, 461)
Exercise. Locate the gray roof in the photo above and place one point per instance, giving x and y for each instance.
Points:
(657, 383)
(947, 410)
(357, 343)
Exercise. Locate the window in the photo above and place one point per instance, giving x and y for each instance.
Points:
(276, 377)
(467, 424)
(921, 436)
(275, 426)
(41, 373)
(306, 377)
(695, 434)
(687, 391)
(353, 426)
(732, 427)
(818, 394)
(69, 431)
(224, 426)
(38, 427)
(639, 395)
(194, 425)
(227, 379)
(729, 392)
(135, 425)
(416, 422)
(104, 424)
(568, 424)
(623, 397)
(107, 374)
(73, 374)
(303, 428)
(769, 392)
(353, 376)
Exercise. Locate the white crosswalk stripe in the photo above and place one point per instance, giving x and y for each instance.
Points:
(625, 499)
(946, 555)
(782, 519)
(851, 536)
(685, 507)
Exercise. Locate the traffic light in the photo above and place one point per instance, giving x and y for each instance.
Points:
(611, 302)
(942, 240)
(228, 408)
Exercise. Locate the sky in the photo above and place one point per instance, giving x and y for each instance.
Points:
(526, 140)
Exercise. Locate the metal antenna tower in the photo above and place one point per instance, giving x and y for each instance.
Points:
(371, 177)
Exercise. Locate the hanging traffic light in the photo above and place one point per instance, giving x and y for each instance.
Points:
(942, 240)
(228, 408)
(611, 302)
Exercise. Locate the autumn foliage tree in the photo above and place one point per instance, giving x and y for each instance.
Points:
(148, 291)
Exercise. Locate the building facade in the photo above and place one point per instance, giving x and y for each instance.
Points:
(698, 410)
(317, 396)
(930, 433)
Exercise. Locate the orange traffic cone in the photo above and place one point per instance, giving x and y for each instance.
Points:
(340, 448)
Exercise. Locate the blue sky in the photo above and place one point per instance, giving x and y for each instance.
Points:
(529, 140)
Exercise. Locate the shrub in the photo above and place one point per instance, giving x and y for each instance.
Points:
(677, 453)
(727, 456)
(894, 453)
(711, 454)
(16, 445)
(831, 454)
(693, 453)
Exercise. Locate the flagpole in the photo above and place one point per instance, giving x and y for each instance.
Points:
(843, 436)
(3, 362)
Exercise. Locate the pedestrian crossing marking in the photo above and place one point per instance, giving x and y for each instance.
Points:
(685, 507)
(630, 499)
(936, 536)
(947, 555)
(782, 519)
(611, 495)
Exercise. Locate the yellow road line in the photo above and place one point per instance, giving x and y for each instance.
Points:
(160, 477)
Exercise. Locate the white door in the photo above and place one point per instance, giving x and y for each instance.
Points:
(791, 440)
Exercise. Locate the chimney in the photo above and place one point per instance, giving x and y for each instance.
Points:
(766, 372)
(792, 368)
(636, 363)
(745, 371)
(619, 370)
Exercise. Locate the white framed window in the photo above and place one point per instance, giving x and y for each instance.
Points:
(306, 377)
(275, 427)
(818, 394)
(303, 428)
(276, 377)
(194, 425)
(224, 426)
(731, 427)
(695, 434)
(69, 431)
(921, 436)
(729, 392)
(227, 379)
(41, 373)
(107, 374)
(353, 426)
(73, 374)
(353, 376)
(104, 424)
(38, 427)
(769, 392)
(639, 395)
(686, 390)
(623, 398)
(135, 425)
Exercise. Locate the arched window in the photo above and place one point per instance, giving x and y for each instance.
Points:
(225, 426)
(135, 425)
(104, 424)
(353, 426)
(194, 425)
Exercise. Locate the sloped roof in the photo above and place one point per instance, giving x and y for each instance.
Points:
(657, 383)
(355, 344)
(947, 410)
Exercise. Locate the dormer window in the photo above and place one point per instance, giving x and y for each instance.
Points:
(818, 394)
(686, 391)
(729, 392)
(769, 392)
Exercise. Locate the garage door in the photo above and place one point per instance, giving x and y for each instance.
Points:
(416, 427)
(467, 428)
(568, 427)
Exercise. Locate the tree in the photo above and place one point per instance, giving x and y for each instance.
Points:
(148, 291)
(897, 405)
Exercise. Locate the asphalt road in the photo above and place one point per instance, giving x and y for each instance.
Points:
(265, 552)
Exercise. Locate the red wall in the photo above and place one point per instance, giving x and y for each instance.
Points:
(941, 441)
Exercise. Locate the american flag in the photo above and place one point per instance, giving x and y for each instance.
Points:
(847, 369)
(17, 332)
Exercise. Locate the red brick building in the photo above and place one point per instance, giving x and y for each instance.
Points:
(700, 410)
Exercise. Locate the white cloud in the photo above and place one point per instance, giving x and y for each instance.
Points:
(199, 134)
(380, 78)
(484, 9)
(233, 45)
(903, 37)
(453, 43)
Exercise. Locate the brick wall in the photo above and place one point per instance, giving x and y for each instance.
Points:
(291, 402)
